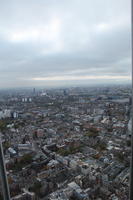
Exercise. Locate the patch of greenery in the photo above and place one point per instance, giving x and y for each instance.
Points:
(19, 124)
(71, 150)
(101, 146)
(6, 145)
(37, 185)
(128, 143)
(93, 132)
(120, 156)
(25, 160)
(36, 188)
(3, 125)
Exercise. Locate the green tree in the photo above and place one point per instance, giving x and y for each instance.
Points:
(3, 125)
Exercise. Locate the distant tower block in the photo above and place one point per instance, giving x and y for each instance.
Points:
(34, 90)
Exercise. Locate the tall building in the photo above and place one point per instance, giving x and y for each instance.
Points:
(34, 91)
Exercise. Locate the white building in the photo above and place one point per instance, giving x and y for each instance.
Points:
(5, 113)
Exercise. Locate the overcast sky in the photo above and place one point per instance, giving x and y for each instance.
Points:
(64, 42)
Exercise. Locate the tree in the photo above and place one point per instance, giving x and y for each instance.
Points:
(6, 145)
(2, 125)
(120, 156)
(26, 159)
(102, 146)
(92, 133)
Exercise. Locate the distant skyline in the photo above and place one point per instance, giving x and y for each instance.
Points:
(55, 43)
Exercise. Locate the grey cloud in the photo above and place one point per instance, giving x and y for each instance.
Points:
(84, 50)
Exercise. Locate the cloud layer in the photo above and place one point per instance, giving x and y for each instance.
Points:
(44, 41)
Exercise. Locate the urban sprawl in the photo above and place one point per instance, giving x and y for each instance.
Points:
(67, 144)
